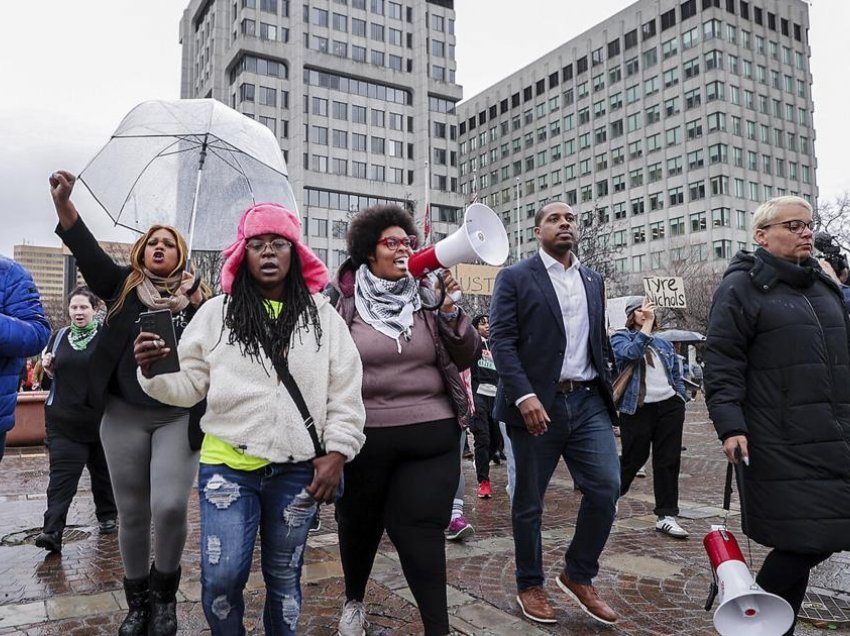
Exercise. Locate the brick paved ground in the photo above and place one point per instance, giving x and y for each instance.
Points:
(657, 584)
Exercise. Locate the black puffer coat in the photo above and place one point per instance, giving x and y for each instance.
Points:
(777, 369)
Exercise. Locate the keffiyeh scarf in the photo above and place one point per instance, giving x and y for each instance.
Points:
(386, 305)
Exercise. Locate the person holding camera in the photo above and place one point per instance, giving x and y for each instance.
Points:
(652, 411)
(147, 443)
(777, 385)
(834, 263)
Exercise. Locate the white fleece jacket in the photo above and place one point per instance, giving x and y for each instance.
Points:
(247, 406)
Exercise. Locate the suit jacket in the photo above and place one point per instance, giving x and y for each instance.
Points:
(528, 341)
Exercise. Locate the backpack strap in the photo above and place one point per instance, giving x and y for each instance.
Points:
(56, 340)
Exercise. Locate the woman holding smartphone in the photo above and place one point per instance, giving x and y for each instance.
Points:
(146, 442)
(282, 378)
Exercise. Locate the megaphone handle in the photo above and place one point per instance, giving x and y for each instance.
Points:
(712, 593)
(441, 295)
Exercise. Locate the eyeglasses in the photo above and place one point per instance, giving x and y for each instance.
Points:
(392, 243)
(796, 226)
(278, 245)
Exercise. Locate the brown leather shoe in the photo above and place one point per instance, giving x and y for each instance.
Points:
(535, 605)
(588, 599)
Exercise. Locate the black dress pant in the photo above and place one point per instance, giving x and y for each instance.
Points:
(68, 457)
(403, 481)
(786, 574)
(657, 425)
(487, 435)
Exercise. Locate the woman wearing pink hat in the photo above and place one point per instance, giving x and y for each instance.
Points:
(282, 379)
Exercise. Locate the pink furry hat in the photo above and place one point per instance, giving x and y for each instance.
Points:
(271, 218)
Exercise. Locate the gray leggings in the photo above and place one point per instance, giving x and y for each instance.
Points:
(152, 470)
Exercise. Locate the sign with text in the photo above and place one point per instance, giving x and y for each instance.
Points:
(476, 280)
(665, 291)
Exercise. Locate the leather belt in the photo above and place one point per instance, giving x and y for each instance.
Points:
(568, 386)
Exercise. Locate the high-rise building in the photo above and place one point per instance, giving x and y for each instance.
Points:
(360, 93)
(54, 269)
(47, 266)
(665, 125)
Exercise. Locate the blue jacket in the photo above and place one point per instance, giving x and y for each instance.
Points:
(630, 346)
(527, 337)
(23, 332)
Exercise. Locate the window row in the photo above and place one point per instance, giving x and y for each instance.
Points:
(358, 53)
(710, 30)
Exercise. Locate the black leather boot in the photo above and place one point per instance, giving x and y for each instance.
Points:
(138, 601)
(164, 602)
(50, 541)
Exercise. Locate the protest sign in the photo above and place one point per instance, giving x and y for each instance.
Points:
(665, 291)
(476, 280)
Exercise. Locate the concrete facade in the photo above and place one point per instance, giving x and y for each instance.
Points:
(667, 124)
(360, 94)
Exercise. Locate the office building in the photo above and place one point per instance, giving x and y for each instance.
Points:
(665, 126)
(54, 269)
(360, 93)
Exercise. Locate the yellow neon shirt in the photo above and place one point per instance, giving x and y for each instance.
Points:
(216, 451)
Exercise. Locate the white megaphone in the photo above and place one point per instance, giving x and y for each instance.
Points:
(745, 609)
(481, 236)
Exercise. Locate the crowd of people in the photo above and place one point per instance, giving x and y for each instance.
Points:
(292, 389)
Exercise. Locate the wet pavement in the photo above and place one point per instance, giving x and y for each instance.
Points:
(657, 584)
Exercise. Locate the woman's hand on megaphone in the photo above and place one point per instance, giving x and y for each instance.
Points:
(452, 289)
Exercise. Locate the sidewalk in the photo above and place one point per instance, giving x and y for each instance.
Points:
(657, 584)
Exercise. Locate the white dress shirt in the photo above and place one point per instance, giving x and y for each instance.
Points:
(572, 297)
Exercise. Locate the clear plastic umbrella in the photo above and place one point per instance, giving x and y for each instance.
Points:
(192, 163)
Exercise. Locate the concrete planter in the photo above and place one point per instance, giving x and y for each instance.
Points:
(29, 420)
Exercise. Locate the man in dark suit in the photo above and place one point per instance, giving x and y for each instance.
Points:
(549, 342)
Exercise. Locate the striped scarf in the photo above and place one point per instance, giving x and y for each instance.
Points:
(386, 305)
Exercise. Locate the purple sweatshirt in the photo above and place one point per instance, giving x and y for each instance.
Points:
(405, 388)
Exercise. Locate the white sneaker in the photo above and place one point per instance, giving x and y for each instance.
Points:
(353, 620)
(641, 473)
(668, 526)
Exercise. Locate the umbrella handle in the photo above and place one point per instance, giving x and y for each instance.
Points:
(201, 160)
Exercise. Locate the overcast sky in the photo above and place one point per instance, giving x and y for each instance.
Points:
(72, 70)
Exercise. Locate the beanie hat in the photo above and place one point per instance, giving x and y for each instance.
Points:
(632, 304)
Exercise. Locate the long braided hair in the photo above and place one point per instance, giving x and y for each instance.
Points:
(253, 327)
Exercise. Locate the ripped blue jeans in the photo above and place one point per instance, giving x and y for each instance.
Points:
(234, 505)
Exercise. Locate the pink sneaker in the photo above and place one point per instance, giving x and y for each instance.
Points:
(459, 529)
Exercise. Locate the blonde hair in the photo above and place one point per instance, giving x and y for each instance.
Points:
(768, 210)
(137, 263)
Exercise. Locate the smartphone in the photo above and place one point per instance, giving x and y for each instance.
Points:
(159, 322)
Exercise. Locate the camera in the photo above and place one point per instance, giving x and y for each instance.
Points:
(831, 253)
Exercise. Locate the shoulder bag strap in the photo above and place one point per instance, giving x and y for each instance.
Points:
(56, 341)
(285, 377)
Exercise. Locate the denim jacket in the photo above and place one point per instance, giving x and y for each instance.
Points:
(629, 346)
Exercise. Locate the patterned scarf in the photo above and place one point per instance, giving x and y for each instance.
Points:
(80, 337)
(386, 305)
(157, 292)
